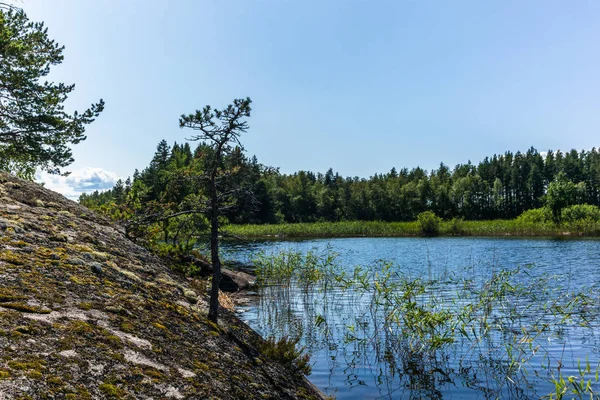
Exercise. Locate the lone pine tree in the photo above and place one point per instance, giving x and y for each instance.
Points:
(220, 130)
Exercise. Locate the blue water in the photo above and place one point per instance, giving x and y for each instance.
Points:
(372, 362)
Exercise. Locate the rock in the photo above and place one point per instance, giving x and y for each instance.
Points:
(232, 281)
(191, 296)
(240, 266)
(96, 268)
(80, 308)
(75, 261)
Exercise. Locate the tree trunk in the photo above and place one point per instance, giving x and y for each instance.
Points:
(213, 308)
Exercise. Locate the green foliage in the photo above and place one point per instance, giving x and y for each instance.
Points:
(327, 229)
(35, 130)
(498, 188)
(562, 193)
(287, 267)
(429, 223)
(581, 385)
(580, 212)
(456, 227)
(536, 216)
(221, 129)
(414, 325)
(498, 227)
(581, 219)
(285, 351)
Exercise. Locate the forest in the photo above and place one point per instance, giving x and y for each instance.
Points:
(498, 187)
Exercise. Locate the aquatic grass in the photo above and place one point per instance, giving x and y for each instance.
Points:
(498, 328)
(454, 227)
(285, 267)
(581, 385)
(327, 229)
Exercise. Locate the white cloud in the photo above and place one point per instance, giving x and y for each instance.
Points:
(85, 180)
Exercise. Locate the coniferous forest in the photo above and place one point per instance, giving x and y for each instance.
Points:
(498, 187)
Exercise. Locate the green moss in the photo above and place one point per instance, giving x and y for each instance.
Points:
(83, 393)
(99, 255)
(85, 305)
(44, 252)
(201, 366)
(55, 380)
(33, 364)
(4, 374)
(15, 334)
(154, 373)
(159, 326)
(83, 280)
(59, 237)
(117, 356)
(80, 327)
(114, 341)
(212, 325)
(35, 375)
(80, 248)
(7, 295)
(25, 308)
(111, 390)
(10, 257)
(26, 330)
(127, 327)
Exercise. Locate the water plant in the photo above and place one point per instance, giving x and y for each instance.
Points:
(532, 223)
(493, 333)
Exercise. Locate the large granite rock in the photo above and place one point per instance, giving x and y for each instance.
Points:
(86, 313)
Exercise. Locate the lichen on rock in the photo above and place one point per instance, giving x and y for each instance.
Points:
(85, 313)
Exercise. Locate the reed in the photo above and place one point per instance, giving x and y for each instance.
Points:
(497, 327)
(455, 227)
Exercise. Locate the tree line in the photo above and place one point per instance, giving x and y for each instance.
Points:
(499, 187)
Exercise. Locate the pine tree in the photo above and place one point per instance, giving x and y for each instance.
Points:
(35, 129)
(221, 129)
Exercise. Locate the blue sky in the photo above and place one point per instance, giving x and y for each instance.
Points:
(359, 86)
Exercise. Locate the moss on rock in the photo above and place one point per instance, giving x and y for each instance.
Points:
(131, 328)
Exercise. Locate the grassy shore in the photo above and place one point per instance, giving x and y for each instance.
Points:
(399, 229)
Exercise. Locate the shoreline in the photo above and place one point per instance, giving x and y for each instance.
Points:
(353, 229)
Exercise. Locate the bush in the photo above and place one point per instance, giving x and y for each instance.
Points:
(429, 223)
(285, 352)
(536, 216)
(456, 226)
(580, 212)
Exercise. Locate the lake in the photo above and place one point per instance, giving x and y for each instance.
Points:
(439, 317)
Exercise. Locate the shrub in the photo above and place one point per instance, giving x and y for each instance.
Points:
(429, 223)
(535, 216)
(580, 212)
(285, 352)
(456, 226)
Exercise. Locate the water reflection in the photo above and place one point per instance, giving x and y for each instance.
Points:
(512, 346)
